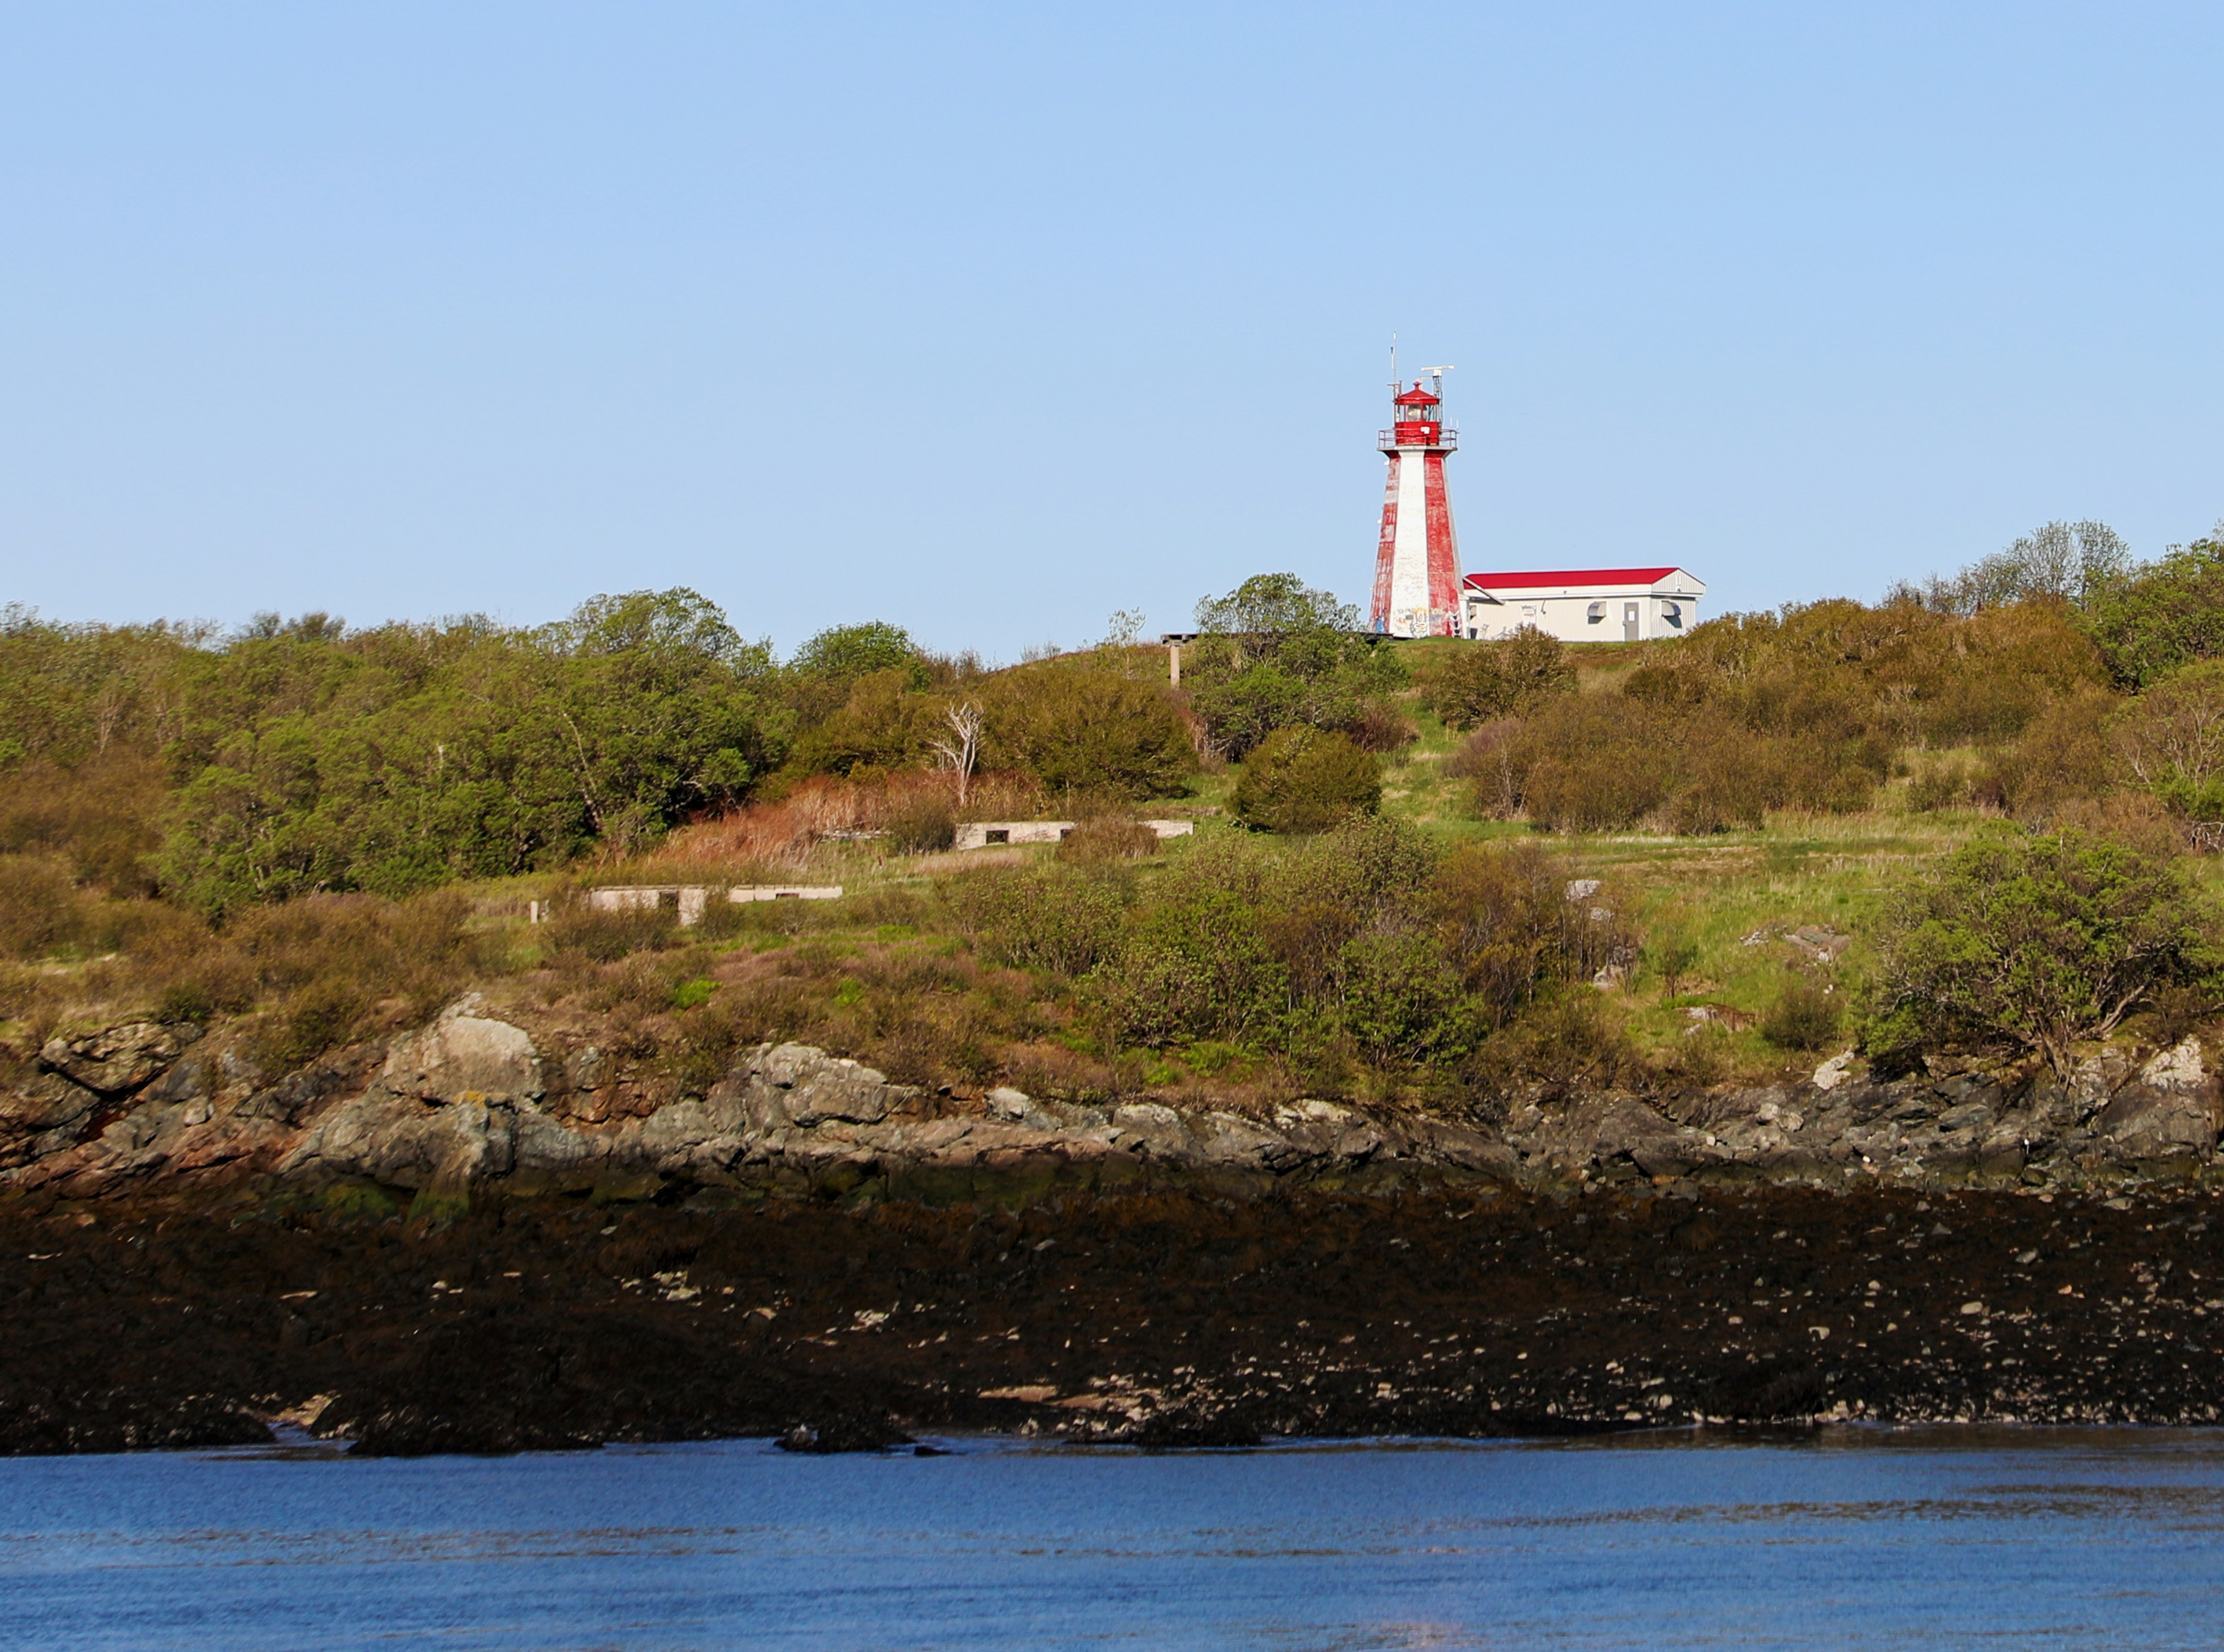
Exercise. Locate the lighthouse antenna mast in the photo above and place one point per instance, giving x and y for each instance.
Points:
(1436, 379)
(1395, 385)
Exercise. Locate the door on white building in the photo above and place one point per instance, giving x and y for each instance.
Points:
(1629, 622)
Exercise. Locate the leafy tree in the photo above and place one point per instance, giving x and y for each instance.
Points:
(1269, 607)
(2041, 940)
(883, 724)
(2059, 561)
(1077, 728)
(819, 679)
(1276, 653)
(2166, 616)
(1306, 779)
(657, 624)
(847, 652)
(394, 760)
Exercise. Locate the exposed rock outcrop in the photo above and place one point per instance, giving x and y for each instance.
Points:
(117, 1061)
(468, 1102)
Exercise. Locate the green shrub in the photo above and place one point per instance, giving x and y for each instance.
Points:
(1674, 954)
(2063, 754)
(1504, 918)
(307, 1022)
(1303, 780)
(1274, 654)
(2163, 617)
(1598, 790)
(1484, 681)
(1380, 728)
(1081, 729)
(1065, 919)
(1568, 1042)
(1486, 758)
(1197, 960)
(1402, 999)
(2171, 741)
(104, 814)
(1728, 787)
(884, 723)
(1607, 762)
(2040, 940)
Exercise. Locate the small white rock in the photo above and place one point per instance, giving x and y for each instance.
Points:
(1832, 1072)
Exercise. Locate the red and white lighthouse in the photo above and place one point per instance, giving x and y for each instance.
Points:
(1417, 571)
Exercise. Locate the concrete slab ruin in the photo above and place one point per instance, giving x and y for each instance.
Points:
(689, 900)
(983, 834)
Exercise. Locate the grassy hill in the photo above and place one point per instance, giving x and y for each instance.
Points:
(267, 835)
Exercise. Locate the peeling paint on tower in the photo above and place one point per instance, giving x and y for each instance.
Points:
(1417, 573)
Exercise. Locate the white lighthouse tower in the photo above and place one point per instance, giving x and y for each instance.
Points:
(1417, 571)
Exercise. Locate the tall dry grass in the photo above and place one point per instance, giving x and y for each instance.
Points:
(781, 836)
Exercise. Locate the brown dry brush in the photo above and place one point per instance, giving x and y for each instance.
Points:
(920, 1015)
(1805, 710)
(305, 977)
(780, 835)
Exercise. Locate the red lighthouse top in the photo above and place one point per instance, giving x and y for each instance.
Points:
(1417, 420)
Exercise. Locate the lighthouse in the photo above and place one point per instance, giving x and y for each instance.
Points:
(1417, 571)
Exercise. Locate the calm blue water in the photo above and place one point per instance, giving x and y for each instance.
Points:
(1859, 1537)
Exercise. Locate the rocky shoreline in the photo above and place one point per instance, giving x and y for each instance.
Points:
(456, 1242)
(470, 1103)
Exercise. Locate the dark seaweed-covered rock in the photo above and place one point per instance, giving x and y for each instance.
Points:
(463, 1429)
(850, 1432)
(1186, 1430)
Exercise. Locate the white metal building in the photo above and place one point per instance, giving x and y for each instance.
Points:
(1582, 604)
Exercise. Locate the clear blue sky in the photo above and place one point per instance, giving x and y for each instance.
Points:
(989, 320)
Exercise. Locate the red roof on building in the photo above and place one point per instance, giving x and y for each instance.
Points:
(1570, 577)
(1416, 397)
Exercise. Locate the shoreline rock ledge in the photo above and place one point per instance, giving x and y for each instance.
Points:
(469, 1104)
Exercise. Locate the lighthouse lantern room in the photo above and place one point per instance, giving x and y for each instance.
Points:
(1417, 573)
